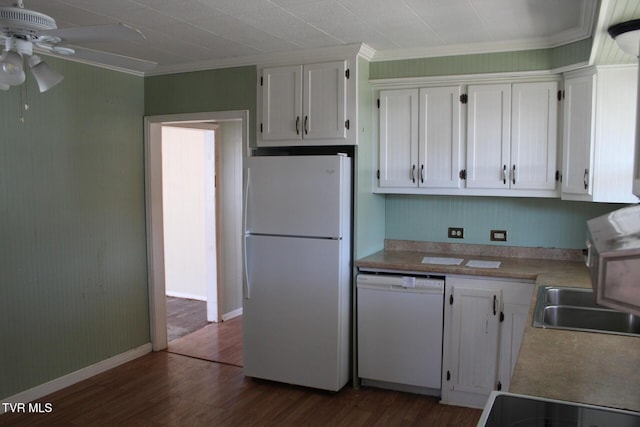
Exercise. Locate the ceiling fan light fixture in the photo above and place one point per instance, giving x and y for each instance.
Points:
(45, 76)
(12, 62)
(627, 36)
(11, 69)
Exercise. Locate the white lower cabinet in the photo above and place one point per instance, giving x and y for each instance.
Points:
(472, 324)
(484, 320)
(515, 318)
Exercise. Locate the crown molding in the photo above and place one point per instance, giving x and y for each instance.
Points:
(367, 52)
(466, 49)
(272, 59)
(585, 30)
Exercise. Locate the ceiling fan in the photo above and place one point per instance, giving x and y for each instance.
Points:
(26, 32)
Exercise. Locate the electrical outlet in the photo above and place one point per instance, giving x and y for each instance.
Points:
(455, 233)
(498, 235)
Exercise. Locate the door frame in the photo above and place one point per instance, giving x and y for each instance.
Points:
(154, 210)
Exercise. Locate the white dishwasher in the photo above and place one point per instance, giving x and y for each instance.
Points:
(399, 328)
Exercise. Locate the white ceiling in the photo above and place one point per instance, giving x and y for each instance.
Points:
(183, 35)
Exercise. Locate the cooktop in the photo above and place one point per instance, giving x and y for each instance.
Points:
(513, 410)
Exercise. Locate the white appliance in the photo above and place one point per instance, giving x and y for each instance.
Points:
(297, 293)
(400, 320)
(613, 258)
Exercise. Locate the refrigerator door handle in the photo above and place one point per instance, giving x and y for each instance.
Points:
(247, 284)
(246, 202)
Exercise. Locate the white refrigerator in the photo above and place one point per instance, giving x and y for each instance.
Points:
(297, 254)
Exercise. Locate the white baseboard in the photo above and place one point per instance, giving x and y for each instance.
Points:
(77, 376)
(187, 296)
(232, 314)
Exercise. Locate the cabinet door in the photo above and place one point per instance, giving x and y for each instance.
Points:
(534, 136)
(488, 136)
(578, 135)
(324, 107)
(398, 141)
(615, 135)
(475, 321)
(440, 144)
(282, 103)
(515, 319)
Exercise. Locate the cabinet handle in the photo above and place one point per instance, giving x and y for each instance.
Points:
(297, 125)
(587, 259)
(422, 174)
(495, 305)
(586, 179)
(504, 174)
(413, 174)
(306, 125)
(513, 176)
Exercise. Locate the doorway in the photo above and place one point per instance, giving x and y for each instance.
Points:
(231, 146)
(189, 214)
(188, 196)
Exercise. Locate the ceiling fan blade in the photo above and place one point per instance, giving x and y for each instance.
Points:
(95, 33)
(113, 60)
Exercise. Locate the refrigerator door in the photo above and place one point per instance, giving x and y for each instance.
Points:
(297, 195)
(296, 311)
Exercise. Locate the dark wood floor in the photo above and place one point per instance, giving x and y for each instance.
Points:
(170, 389)
(165, 389)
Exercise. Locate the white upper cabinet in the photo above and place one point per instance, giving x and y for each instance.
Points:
(324, 102)
(282, 103)
(512, 136)
(489, 119)
(599, 135)
(398, 138)
(508, 148)
(304, 105)
(534, 141)
(420, 143)
(440, 137)
(578, 133)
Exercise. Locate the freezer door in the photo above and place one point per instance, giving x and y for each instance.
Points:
(296, 312)
(298, 195)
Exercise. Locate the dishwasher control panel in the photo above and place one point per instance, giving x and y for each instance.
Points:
(401, 281)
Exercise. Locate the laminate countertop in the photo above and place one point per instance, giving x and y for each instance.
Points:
(592, 368)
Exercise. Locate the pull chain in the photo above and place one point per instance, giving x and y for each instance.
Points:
(24, 105)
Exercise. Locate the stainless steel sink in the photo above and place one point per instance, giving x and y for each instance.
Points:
(575, 309)
(575, 297)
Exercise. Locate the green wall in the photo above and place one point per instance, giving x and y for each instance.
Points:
(550, 223)
(529, 222)
(500, 62)
(201, 91)
(369, 207)
(73, 279)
